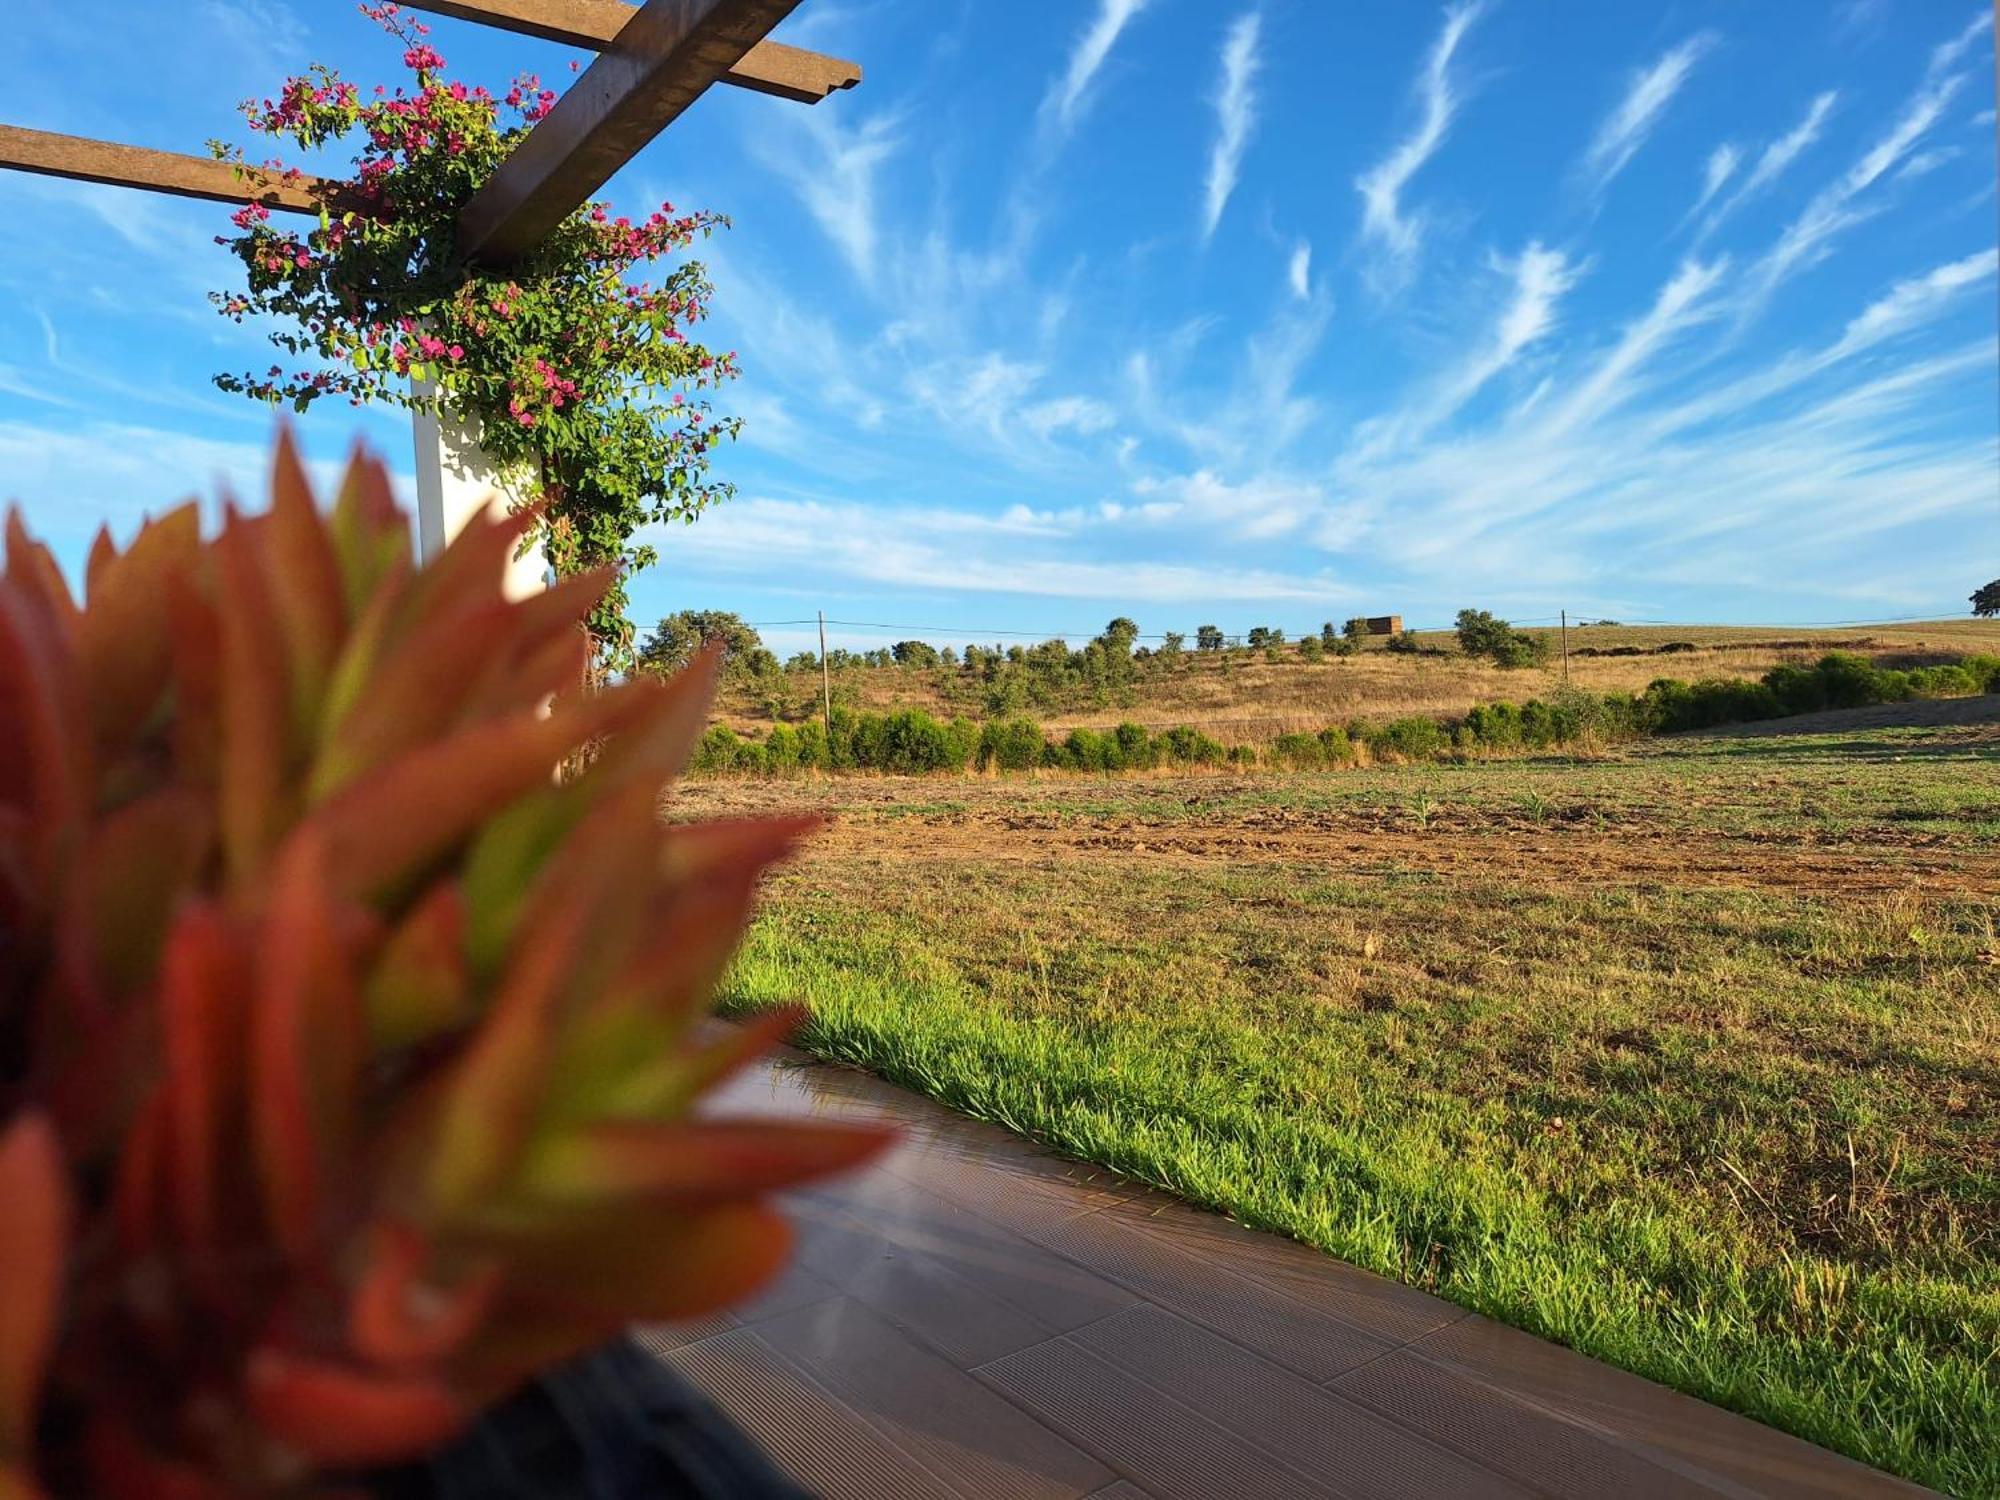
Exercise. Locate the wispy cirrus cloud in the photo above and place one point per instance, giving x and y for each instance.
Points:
(1683, 302)
(1385, 223)
(1235, 112)
(1645, 102)
(1069, 92)
(1298, 270)
(833, 166)
(1717, 170)
(1775, 157)
(1837, 206)
(1539, 278)
(1947, 54)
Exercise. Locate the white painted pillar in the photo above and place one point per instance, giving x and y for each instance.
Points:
(456, 479)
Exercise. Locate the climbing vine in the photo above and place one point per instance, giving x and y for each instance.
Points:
(585, 384)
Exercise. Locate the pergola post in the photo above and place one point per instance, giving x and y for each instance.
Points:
(456, 480)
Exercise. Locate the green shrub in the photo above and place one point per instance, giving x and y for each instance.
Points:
(1136, 751)
(1011, 745)
(1413, 738)
(1337, 746)
(1942, 682)
(912, 742)
(1497, 725)
(1300, 751)
(1242, 755)
(1190, 747)
(1984, 670)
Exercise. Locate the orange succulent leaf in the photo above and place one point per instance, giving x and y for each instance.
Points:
(124, 645)
(195, 626)
(343, 1417)
(140, 863)
(545, 650)
(642, 1260)
(492, 1098)
(419, 987)
(399, 1317)
(673, 1079)
(308, 1046)
(414, 695)
(369, 531)
(311, 603)
(654, 752)
(203, 1016)
(471, 566)
(255, 703)
(34, 1238)
(45, 759)
(17, 1484)
(32, 568)
(693, 1161)
(402, 819)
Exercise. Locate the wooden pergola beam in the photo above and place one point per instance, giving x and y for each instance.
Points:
(768, 68)
(74, 156)
(668, 53)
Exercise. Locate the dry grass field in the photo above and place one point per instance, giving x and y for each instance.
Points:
(1687, 1056)
(1240, 697)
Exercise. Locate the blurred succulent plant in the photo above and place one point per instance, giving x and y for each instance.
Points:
(347, 1056)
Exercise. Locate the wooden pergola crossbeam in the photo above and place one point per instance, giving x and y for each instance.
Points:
(83, 160)
(767, 68)
(666, 55)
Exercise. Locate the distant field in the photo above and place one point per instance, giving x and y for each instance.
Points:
(1689, 1058)
(1240, 697)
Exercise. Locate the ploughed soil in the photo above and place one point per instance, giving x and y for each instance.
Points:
(1695, 836)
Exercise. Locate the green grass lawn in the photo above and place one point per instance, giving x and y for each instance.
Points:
(1739, 1137)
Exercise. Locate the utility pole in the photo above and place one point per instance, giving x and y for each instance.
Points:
(825, 682)
(1565, 620)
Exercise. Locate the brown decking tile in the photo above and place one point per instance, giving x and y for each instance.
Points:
(1124, 1345)
(1300, 1337)
(665, 1338)
(812, 1435)
(1168, 1446)
(1678, 1430)
(1374, 1304)
(953, 1295)
(918, 1225)
(1312, 1429)
(943, 1418)
(1541, 1449)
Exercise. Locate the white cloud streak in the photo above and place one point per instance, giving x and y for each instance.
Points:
(1720, 167)
(1540, 279)
(1384, 221)
(1235, 113)
(1775, 157)
(1298, 270)
(1068, 94)
(1945, 56)
(1628, 126)
(1681, 303)
(1807, 239)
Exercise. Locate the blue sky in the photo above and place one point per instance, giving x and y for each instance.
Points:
(1192, 311)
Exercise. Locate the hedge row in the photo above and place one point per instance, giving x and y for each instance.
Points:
(912, 742)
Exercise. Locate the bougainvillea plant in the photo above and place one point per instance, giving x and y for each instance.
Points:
(584, 384)
(347, 1058)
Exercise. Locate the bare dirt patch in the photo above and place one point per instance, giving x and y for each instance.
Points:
(1205, 822)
